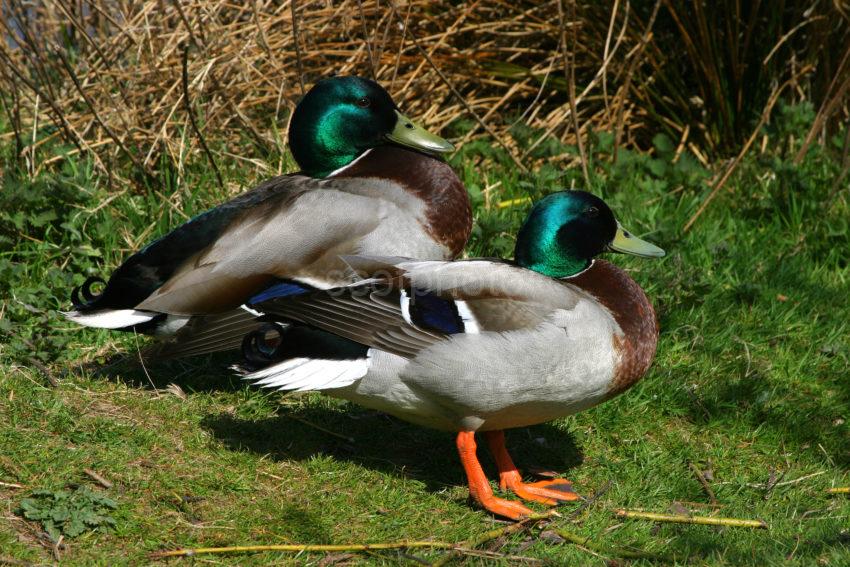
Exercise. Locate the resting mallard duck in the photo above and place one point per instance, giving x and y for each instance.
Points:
(478, 345)
(361, 190)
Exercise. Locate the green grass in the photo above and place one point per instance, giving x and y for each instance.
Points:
(750, 381)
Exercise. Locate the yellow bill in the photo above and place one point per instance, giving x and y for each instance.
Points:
(628, 243)
(406, 133)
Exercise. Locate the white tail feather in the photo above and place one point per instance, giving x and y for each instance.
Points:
(110, 318)
(304, 374)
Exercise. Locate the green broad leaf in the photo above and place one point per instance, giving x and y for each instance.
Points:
(69, 514)
(74, 527)
(51, 530)
(29, 506)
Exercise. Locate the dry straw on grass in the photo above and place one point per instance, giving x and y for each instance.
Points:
(108, 74)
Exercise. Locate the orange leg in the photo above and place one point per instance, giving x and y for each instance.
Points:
(545, 491)
(479, 486)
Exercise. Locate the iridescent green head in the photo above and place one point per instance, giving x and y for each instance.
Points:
(566, 230)
(341, 117)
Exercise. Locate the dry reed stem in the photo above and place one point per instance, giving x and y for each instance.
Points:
(494, 534)
(191, 113)
(253, 58)
(721, 182)
(624, 92)
(588, 544)
(301, 548)
(682, 519)
(489, 61)
(568, 52)
(704, 482)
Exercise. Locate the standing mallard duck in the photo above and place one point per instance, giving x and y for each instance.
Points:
(479, 345)
(369, 184)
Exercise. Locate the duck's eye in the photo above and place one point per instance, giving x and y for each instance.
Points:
(363, 102)
(591, 212)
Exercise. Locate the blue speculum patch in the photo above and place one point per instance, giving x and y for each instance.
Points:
(435, 313)
(286, 288)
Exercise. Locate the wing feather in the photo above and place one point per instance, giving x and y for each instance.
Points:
(491, 296)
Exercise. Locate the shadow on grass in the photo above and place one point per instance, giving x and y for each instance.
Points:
(209, 373)
(381, 442)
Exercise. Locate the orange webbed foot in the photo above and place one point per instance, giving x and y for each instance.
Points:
(479, 486)
(550, 492)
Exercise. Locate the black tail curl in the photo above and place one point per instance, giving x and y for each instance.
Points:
(88, 296)
(259, 349)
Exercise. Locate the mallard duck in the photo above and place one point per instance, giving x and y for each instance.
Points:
(477, 345)
(369, 184)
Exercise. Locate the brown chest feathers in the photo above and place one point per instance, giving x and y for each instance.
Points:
(627, 302)
(449, 214)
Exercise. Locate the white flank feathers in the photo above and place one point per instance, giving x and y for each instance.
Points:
(110, 318)
(303, 374)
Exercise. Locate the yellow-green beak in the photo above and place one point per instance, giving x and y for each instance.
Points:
(627, 243)
(406, 133)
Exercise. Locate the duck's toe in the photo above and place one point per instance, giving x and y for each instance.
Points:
(505, 508)
(551, 492)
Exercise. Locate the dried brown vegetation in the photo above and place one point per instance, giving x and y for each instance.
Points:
(108, 75)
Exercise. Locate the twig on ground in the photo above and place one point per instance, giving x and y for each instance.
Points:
(97, 478)
(144, 367)
(787, 482)
(772, 482)
(45, 371)
(681, 519)
(491, 535)
(10, 485)
(589, 501)
(838, 490)
(187, 25)
(57, 547)
(704, 482)
(591, 545)
(301, 548)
